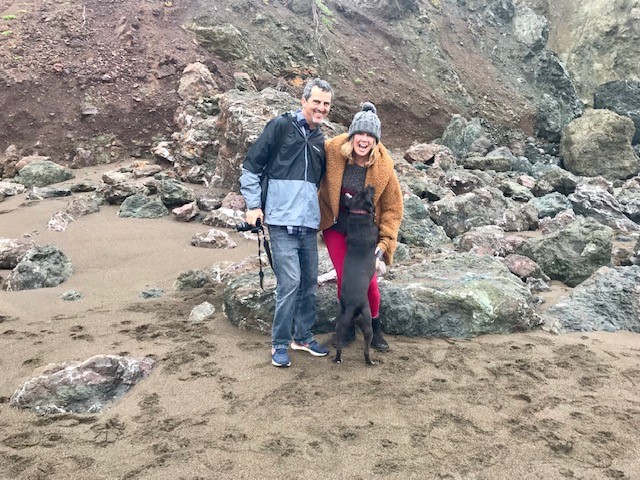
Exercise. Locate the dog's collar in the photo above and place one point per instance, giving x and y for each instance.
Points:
(359, 212)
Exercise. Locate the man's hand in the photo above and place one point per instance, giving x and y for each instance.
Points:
(381, 267)
(253, 215)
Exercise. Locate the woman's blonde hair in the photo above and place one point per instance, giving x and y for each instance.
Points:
(347, 152)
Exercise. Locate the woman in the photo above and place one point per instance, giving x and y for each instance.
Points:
(354, 160)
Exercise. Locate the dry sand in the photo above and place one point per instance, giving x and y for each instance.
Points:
(522, 406)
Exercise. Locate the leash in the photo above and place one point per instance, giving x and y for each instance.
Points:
(267, 250)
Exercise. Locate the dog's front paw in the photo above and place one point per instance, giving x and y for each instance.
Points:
(337, 360)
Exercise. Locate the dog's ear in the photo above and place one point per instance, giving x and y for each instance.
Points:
(370, 191)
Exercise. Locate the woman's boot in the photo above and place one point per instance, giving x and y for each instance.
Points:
(378, 342)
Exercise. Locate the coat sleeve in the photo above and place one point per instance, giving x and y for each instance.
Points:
(391, 210)
(255, 163)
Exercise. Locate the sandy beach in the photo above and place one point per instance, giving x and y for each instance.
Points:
(523, 406)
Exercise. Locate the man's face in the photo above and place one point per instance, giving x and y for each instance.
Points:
(316, 108)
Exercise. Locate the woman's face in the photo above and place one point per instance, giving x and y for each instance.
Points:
(363, 143)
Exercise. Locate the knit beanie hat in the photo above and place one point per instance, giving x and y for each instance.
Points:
(366, 121)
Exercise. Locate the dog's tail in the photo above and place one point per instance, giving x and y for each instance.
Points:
(331, 342)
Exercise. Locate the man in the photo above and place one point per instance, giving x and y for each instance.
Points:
(288, 161)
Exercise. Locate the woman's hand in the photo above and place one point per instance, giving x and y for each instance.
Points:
(381, 267)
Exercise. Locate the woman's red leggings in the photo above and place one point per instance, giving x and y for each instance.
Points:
(337, 246)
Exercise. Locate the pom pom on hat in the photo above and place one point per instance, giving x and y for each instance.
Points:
(368, 107)
(366, 121)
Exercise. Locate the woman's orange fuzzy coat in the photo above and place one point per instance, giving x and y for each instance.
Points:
(387, 198)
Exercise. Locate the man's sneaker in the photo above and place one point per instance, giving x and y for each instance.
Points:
(280, 357)
(313, 347)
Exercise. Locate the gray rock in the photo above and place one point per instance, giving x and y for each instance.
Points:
(71, 296)
(82, 387)
(463, 136)
(431, 155)
(515, 191)
(519, 217)
(488, 240)
(12, 250)
(43, 173)
(186, 212)
(40, 267)
(555, 180)
(417, 228)
(530, 28)
(595, 202)
(201, 312)
(476, 161)
(151, 293)
(599, 143)
(561, 220)
(608, 301)
(40, 193)
(551, 204)
(83, 187)
(59, 221)
(421, 183)
(192, 279)
(462, 181)
(249, 307)
(524, 268)
(460, 296)
(9, 189)
(573, 253)
(116, 193)
(623, 98)
(483, 206)
(213, 239)
(175, 194)
(223, 218)
(84, 205)
(629, 199)
(196, 82)
(224, 40)
(140, 206)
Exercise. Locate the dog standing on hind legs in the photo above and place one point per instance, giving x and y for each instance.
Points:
(359, 268)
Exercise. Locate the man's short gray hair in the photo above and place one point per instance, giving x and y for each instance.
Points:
(316, 82)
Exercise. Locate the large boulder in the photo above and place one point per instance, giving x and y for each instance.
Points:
(196, 83)
(43, 173)
(40, 267)
(599, 143)
(224, 40)
(609, 301)
(464, 136)
(81, 387)
(453, 296)
(596, 202)
(573, 253)
(483, 206)
(141, 206)
(457, 295)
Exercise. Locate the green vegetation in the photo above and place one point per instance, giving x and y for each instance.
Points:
(326, 15)
(8, 17)
(6, 33)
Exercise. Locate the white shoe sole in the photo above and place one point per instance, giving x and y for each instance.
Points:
(296, 346)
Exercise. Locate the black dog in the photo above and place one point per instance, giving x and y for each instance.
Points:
(359, 267)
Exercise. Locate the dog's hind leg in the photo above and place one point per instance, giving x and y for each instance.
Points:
(338, 336)
(367, 331)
